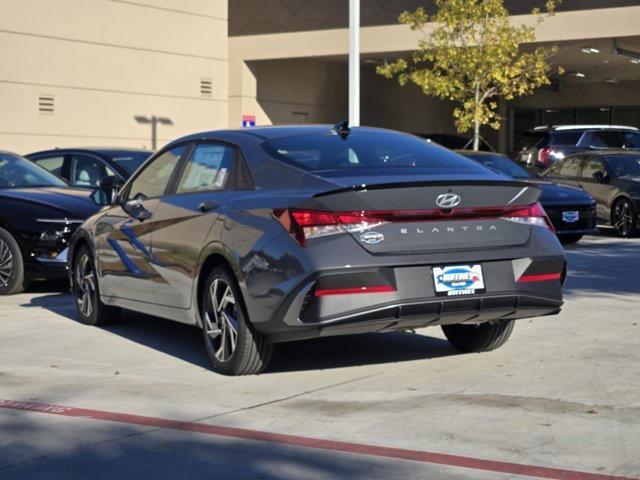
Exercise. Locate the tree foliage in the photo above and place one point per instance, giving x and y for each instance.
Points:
(473, 55)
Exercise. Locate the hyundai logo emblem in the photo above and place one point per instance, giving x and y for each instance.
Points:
(448, 200)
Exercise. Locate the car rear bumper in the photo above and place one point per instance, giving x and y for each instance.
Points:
(411, 300)
(585, 224)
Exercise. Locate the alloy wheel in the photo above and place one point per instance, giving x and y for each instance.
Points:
(623, 218)
(85, 286)
(6, 264)
(221, 324)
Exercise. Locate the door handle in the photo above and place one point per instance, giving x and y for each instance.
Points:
(143, 215)
(208, 205)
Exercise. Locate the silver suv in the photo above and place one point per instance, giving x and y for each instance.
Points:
(542, 146)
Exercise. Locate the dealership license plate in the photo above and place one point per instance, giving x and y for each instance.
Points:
(570, 216)
(458, 280)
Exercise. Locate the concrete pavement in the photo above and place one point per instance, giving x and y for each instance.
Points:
(562, 393)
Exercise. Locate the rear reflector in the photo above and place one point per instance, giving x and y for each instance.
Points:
(349, 291)
(546, 277)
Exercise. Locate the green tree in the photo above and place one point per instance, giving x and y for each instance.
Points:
(473, 55)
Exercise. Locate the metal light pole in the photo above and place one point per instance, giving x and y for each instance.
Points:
(354, 63)
(153, 121)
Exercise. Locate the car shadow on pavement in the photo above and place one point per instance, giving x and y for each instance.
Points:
(104, 451)
(603, 269)
(185, 342)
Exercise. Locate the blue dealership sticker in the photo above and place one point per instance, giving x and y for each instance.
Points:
(458, 280)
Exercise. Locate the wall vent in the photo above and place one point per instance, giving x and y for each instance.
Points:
(46, 104)
(206, 87)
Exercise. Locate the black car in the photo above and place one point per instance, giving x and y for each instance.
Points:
(571, 210)
(613, 178)
(454, 142)
(38, 215)
(543, 146)
(275, 234)
(86, 167)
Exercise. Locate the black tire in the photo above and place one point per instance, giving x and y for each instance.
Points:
(87, 292)
(570, 239)
(624, 218)
(478, 338)
(12, 279)
(245, 352)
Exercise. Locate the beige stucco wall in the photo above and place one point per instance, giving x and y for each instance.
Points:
(382, 103)
(106, 61)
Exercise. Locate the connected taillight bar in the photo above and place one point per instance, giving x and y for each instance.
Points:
(305, 224)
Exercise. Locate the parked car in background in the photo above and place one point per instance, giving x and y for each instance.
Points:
(85, 167)
(454, 142)
(274, 234)
(543, 146)
(613, 178)
(38, 214)
(571, 210)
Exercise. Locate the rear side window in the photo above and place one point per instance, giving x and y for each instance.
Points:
(53, 164)
(565, 139)
(359, 150)
(209, 168)
(606, 139)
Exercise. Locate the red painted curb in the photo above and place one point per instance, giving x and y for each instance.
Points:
(317, 443)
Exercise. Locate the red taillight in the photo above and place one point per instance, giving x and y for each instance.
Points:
(532, 215)
(545, 277)
(305, 224)
(543, 156)
(352, 290)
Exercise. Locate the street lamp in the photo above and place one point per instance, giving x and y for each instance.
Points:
(154, 121)
(354, 63)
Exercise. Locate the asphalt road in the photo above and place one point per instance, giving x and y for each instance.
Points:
(560, 400)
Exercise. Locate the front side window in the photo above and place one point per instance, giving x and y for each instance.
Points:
(624, 165)
(631, 139)
(591, 166)
(606, 140)
(209, 168)
(153, 180)
(87, 171)
(51, 164)
(570, 167)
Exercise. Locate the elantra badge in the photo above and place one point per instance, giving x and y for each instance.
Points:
(371, 238)
(448, 200)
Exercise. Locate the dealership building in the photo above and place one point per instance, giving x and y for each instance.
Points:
(92, 72)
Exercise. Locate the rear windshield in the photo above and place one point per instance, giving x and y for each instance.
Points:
(130, 161)
(530, 139)
(503, 165)
(365, 150)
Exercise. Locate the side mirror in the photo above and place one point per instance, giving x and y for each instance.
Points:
(107, 191)
(601, 177)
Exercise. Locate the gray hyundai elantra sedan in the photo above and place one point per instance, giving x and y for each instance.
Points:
(273, 234)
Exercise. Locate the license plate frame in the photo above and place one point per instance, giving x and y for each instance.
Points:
(458, 280)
